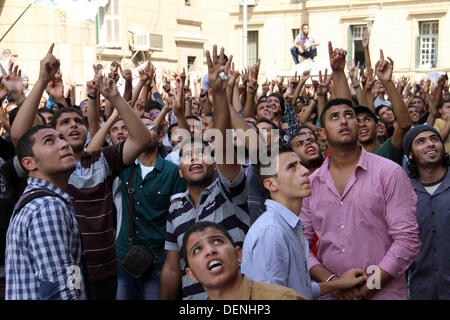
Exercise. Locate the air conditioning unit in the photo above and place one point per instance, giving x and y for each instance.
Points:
(148, 41)
(250, 2)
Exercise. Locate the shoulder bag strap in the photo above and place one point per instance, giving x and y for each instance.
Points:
(130, 204)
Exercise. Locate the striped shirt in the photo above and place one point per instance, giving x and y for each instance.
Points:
(223, 202)
(92, 197)
(43, 250)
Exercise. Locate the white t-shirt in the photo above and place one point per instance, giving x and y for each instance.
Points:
(145, 170)
(432, 189)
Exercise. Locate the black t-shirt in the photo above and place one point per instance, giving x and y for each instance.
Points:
(7, 150)
(424, 118)
(11, 188)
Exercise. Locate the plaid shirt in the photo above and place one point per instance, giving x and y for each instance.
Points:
(43, 249)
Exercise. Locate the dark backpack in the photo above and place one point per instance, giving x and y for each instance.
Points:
(33, 194)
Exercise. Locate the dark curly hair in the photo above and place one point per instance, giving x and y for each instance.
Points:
(413, 171)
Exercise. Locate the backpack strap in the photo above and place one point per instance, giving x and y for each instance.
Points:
(33, 194)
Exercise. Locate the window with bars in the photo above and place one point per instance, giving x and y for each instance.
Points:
(108, 25)
(252, 46)
(354, 45)
(428, 43)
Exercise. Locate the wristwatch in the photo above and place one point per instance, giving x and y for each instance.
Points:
(92, 96)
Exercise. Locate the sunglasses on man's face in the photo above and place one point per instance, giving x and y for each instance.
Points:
(154, 114)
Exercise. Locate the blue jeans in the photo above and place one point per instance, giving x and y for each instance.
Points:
(311, 53)
(144, 288)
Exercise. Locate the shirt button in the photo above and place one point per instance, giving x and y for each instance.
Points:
(341, 203)
(343, 250)
(138, 203)
(342, 227)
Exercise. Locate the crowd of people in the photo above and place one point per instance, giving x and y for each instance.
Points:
(330, 187)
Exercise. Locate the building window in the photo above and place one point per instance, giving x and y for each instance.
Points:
(428, 42)
(295, 33)
(355, 48)
(252, 46)
(108, 25)
(190, 63)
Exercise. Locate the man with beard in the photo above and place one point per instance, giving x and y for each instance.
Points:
(156, 184)
(392, 148)
(222, 200)
(362, 209)
(264, 110)
(429, 274)
(90, 185)
(305, 146)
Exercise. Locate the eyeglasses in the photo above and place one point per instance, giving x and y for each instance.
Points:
(154, 114)
(83, 106)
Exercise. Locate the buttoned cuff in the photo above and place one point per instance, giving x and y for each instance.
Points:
(315, 290)
(392, 266)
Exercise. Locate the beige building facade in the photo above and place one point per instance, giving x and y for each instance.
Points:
(176, 33)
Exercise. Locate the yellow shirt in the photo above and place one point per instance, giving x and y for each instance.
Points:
(439, 124)
(254, 290)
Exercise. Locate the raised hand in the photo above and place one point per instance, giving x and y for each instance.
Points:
(13, 80)
(366, 38)
(384, 68)
(3, 91)
(91, 87)
(217, 70)
(55, 87)
(49, 66)
(126, 74)
(353, 72)
(183, 77)
(324, 83)
(425, 86)
(107, 87)
(337, 58)
(305, 75)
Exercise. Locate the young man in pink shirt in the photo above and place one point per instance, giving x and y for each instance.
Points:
(363, 209)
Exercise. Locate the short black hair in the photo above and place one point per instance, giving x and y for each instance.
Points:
(199, 227)
(282, 148)
(169, 130)
(381, 106)
(442, 104)
(193, 117)
(265, 120)
(152, 104)
(65, 110)
(297, 133)
(25, 144)
(305, 24)
(332, 103)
